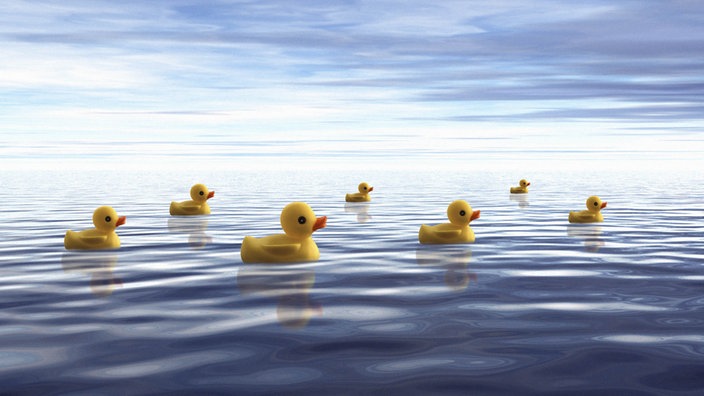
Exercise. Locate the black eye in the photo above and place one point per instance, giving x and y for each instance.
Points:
(201, 193)
(107, 219)
(462, 213)
(596, 204)
(302, 220)
(365, 188)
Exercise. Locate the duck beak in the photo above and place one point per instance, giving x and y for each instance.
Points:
(320, 223)
(211, 194)
(475, 215)
(371, 189)
(603, 205)
(527, 184)
(120, 221)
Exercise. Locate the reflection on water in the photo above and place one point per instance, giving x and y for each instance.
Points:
(521, 199)
(289, 285)
(455, 262)
(98, 266)
(361, 209)
(194, 227)
(590, 234)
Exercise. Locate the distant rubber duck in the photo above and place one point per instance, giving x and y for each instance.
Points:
(592, 214)
(362, 195)
(456, 231)
(522, 188)
(296, 244)
(103, 236)
(198, 204)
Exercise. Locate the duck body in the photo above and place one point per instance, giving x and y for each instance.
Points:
(362, 195)
(296, 244)
(457, 230)
(91, 239)
(189, 208)
(585, 216)
(278, 248)
(591, 215)
(445, 233)
(103, 236)
(197, 205)
(522, 188)
(357, 197)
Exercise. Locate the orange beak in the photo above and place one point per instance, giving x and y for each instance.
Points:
(120, 221)
(211, 194)
(371, 189)
(527, 184)
(603, 205)
(320, 223)
(475, 215)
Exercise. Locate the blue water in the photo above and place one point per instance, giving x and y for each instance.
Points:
(535, 306)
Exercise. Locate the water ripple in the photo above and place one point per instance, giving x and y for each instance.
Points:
(535, 306)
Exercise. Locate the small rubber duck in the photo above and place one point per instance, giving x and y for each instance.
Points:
(198, 204)
(362, 195)
(296, 244)
(522, 188)
(103, 236)
(592, 214)
(456, 231)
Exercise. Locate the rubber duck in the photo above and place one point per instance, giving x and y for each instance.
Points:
(522, 188)
(296, 244)
(362, 195)
(103, 236)
(456, 231)
(592, 214)
(198, 204)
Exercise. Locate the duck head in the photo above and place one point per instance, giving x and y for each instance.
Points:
(365, 188)
(460, 213)
(298, 220)
(594, 204)
(200, 193)
(524, 183)
(105, 219)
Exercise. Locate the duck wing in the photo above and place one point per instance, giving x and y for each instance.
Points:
(190, 207)
(448, 233)
(281, 249)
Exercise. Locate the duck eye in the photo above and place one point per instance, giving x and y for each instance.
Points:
(462, 213)
(596, 203)
(302, 220)
(108, 219)
(201, 193)
(365, 188)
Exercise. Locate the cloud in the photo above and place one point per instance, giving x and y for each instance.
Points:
(344, 70)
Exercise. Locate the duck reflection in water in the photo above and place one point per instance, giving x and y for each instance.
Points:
(455, 262)
(590, 234)
(361, 209)
(288, 285)
(194, 227)
(99, 266)
(521, 199)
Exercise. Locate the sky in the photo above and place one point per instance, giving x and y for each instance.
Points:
(351, 84)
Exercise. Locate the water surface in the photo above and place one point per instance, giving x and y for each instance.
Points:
(535, 306)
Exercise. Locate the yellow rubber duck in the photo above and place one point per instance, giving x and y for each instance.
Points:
(522, 188)
(198, 204)
(103, 236)
(592, 214)
(298, 222)
(456, 231)
(362, 195)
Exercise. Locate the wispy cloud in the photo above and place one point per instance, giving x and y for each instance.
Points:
(416, 71)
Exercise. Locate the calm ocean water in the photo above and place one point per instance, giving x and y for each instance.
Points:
(535, 306)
